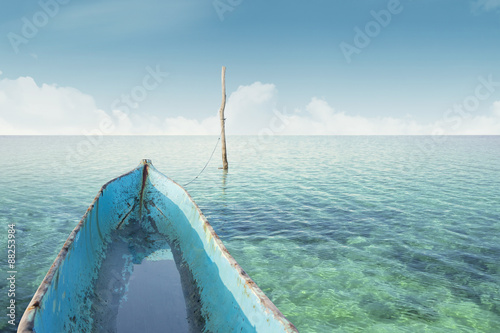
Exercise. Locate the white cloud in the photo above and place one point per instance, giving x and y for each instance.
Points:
(180, 126)
(27, 108)
(319, 118)
(250, 108)
(470, 124)
(485, 5)
(496, 109)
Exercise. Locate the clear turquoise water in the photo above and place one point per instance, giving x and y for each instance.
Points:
(344, 234)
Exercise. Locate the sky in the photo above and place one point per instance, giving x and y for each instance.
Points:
(317, 67)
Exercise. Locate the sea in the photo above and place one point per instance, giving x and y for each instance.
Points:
(342, 233)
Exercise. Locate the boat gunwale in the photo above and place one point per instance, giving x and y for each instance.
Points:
(26, 323)
(265, 301)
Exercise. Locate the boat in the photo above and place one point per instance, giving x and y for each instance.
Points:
(145, 259)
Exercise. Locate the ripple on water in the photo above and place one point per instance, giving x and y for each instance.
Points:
(344, 234)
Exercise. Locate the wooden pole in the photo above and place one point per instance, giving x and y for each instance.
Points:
(223, 120)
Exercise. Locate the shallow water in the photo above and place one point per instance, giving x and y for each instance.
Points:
(344, 234)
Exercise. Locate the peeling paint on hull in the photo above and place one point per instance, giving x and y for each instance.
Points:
(146, 202)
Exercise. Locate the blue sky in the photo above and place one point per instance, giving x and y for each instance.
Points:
(428, 57)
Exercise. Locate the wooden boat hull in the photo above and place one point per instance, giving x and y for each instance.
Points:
(148, 203)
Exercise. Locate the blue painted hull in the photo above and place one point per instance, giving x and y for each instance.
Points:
(145, 203)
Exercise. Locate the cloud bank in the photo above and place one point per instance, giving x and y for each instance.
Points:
(29, 108)
(26, 108)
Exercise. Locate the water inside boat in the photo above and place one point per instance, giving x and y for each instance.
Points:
(142, 288)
